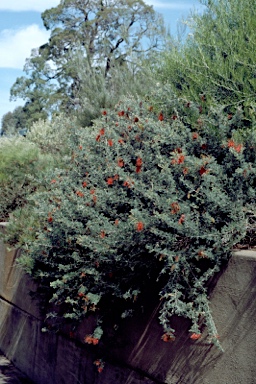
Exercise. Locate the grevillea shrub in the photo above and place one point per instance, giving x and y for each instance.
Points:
(146, 198)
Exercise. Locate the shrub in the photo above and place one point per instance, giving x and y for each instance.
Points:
(21, 167)
(147, 197)
(52, 136)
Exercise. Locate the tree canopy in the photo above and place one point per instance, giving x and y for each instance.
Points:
(105, 34)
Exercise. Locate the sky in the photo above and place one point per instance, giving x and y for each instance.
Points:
(21, 30)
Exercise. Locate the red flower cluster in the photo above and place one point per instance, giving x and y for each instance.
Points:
(179, 160)
(167, 337)
(175, 208)
(232, 144)
(203, 170)
(89, 339)
(195, 336)
(181, 219)
(120, 163)
(79, 193)
(101, 133)
(140, 226)
(160, 116)
(110, 181)
(139, 163)
(99, 363)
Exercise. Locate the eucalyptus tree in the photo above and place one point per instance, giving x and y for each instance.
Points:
(92, 37)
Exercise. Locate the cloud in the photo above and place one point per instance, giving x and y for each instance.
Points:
(16, 45)
(27, 5)
(175, 5)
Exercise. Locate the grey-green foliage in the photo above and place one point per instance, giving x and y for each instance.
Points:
(218, 57)
(52, 136)
(98, 91)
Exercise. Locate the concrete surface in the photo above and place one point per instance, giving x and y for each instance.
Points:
(9, 374)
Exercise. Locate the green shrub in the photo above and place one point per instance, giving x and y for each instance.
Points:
(21, 167)
(52, 136)
(148, 199)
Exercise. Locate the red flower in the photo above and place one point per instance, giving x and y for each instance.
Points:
(175, 208)
(92, 191)
(121, 113)
(181, 159)
(185, 171)
(98, 138)
(102, 131)
(50, 219)
(116, 221)
(139, 226)
(120, 163)
(80, 147)
(230, 116)
(102, 234)
(84, 184)
(160, 116)
(195, 136)
(139, 162)
(126, 184)
(53, 181)
(231, 143)
(238, 148)
(195, 336)
(167, 337)
(110, 143)
(181, 219)
(120, 141)
(204, 146)
(104, 113)
(174, 117)
(110, 181)
(79, 193)
(202, 171)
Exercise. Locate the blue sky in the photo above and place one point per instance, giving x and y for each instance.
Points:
(21, 30)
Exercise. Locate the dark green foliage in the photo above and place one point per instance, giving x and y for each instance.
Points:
(13, 122)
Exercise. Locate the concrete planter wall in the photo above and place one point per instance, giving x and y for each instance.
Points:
(139, 355)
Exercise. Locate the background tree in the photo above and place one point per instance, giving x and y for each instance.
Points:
(105, 34)
(13, 122)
